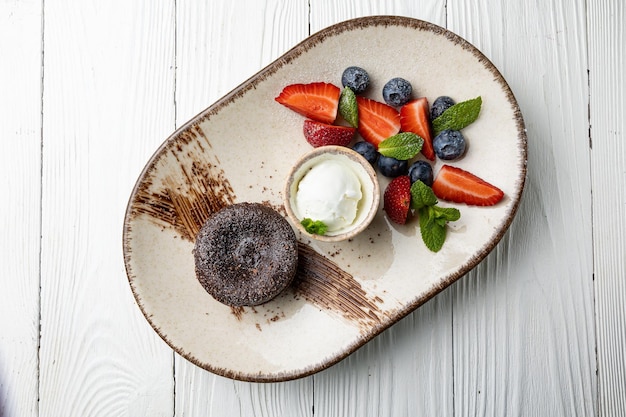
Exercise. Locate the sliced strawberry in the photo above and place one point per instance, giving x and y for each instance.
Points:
(457, 185)
(318, 101)
(397, 199)
(322, 134)
(377, 121)
(415, 118)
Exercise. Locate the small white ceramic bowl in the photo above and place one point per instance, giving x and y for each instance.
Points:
(370, 189)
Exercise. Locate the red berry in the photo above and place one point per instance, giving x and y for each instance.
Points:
(397, 199)
(377, 121)
(322, 134)
(457, 185)
(318, 101)
(414, 117)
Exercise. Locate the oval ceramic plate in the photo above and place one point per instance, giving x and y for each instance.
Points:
(242, 148)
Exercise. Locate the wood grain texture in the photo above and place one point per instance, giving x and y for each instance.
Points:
(219, 46)
(20, 187)
(327, 12)
(607, 59)
(407, 370)
(523, 320)
(108, 94)
(516, 336)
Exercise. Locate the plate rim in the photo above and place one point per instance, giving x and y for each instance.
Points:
(250, 83)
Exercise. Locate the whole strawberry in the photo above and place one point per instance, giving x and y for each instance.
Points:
(322, 134)
(397, 199)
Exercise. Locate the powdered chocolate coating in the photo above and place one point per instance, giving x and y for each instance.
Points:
(245, 254)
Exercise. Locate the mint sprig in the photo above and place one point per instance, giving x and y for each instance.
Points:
(402, 146)
(433, 219)
(314, 227)
(458, 116)
(348, 107)
(422, 195)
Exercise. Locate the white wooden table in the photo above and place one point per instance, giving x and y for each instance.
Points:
(88, 91)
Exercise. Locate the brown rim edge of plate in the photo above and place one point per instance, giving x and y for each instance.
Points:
(250, 83)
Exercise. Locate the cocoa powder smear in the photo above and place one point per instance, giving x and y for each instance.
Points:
(197, 187)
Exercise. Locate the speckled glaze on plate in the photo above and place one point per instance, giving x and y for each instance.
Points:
(345, 293)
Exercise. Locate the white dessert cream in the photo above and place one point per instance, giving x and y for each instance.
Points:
(329, 192)
(336, 186)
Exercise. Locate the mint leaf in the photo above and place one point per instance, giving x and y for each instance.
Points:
(316, 227)
(402, 146)
(433, 232)
(348, 107)
(458, 116)
(433, 219)
(448, 214)
(422, 195)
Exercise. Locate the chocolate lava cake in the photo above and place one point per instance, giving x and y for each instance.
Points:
(245, 254)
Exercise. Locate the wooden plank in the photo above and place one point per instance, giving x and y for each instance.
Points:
(523, 320)
(220, 45)
(108, 103)
(20, 187)
(407, 370)
(607, 44)
(327, 12)
(215, 53)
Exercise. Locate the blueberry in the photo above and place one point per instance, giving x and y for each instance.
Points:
(367, 150)
(356, 78)
(421, 170)
(449, 144)
(392, 167)
(440, 105)
(397, 92)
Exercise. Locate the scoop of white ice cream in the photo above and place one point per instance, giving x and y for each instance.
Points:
(329, 192)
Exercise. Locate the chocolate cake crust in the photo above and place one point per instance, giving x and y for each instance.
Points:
(245, 254)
